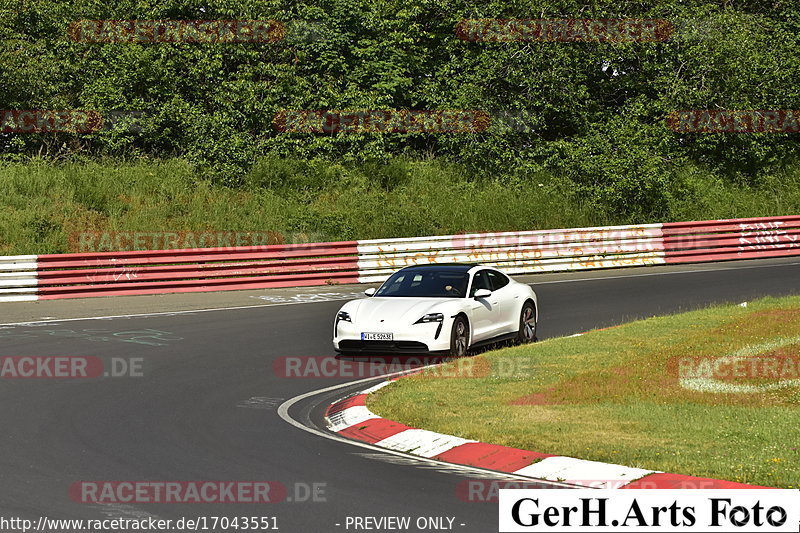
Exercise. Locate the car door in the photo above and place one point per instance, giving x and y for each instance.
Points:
(508, 302)
(485, 311)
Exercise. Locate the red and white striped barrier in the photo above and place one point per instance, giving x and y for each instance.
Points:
(18, 278)
(48, 277)
(43, 277)
(721, 240)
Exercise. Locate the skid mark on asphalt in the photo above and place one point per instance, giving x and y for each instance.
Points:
(122, 510)
(260, 402)
(310, 298)
(149, 337)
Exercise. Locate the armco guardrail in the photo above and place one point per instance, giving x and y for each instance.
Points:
(48, 277)
(721, 240)
(45, 277)
(17, 277)
(518, 251)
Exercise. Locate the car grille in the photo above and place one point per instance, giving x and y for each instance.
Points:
(382, 346)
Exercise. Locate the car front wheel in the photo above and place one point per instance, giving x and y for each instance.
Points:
(459, 337)
(527, 324)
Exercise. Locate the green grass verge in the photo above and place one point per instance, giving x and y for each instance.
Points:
(616, 395)
(44, 205)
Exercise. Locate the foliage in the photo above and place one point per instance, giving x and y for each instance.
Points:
(45, 206)
(594, 111)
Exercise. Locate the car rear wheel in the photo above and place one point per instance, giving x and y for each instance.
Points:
(527, 324)
(459, 337)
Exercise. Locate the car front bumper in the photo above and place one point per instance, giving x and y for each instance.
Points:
(416, 338)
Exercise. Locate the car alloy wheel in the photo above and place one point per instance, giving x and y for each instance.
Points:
(527, 324)
(459, 338)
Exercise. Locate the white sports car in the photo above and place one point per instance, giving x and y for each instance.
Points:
(445, 308)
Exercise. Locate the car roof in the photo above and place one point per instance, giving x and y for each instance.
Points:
(446, 267)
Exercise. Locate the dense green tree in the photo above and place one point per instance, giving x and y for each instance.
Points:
(593, 112)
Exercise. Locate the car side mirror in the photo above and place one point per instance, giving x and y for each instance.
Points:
(370, 291)
(482, 293)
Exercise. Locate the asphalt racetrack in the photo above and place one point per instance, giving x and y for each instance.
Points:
(204, 403)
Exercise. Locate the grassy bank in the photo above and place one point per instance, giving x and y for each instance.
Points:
(44, 205)
(653, 394)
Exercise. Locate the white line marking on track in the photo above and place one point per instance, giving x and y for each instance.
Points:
(283, 412)
(164, 313)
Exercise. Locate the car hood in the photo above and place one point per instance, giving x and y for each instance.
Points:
(396, 310)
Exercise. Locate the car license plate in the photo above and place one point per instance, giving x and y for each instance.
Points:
(376, 337)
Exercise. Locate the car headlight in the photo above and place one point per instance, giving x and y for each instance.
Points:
(430, 317)
(343, 315)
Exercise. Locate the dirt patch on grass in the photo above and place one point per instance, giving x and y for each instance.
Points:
(660, 376)
(548, 396)
(615, 384)
(759, 324)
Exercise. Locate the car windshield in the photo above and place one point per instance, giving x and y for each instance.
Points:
(426, 284)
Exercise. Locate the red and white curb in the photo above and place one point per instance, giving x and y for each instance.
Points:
(350, 418)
